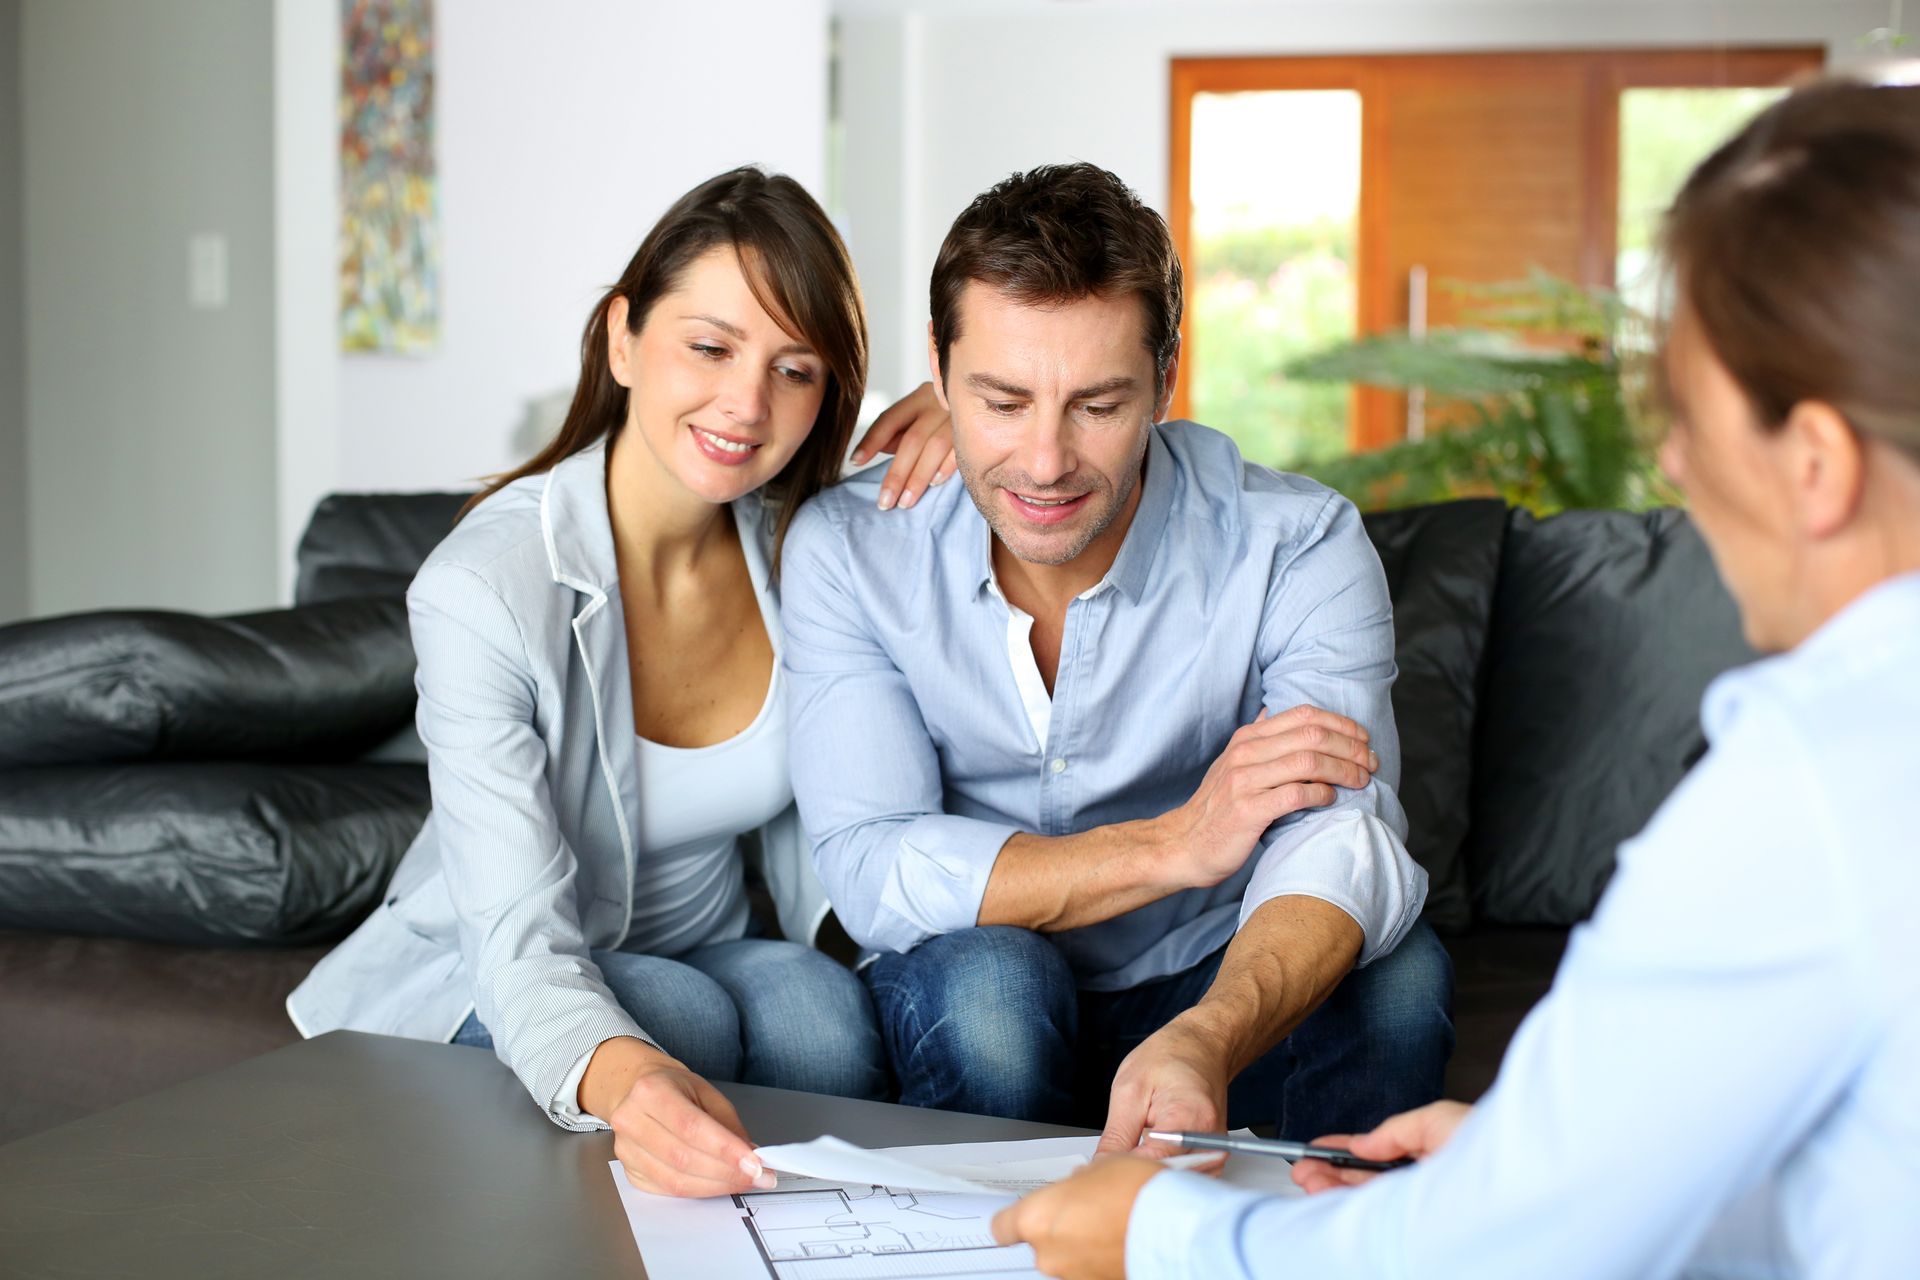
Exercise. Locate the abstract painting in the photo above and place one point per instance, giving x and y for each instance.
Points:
(389, 190)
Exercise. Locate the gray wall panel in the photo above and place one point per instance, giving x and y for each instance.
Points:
(150, 424)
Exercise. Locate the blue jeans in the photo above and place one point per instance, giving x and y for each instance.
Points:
(988, 1020)
(754, 1010)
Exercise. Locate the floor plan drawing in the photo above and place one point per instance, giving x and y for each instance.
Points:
(833, 1231)
(857, 1213)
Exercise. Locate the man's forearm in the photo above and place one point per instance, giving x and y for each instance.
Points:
(1050, 883)
(1288, 957)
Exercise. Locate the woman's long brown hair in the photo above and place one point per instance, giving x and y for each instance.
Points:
(797, 267)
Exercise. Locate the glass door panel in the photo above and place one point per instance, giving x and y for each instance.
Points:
(1275, 202)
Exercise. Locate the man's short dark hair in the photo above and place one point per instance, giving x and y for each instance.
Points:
(1057, 234)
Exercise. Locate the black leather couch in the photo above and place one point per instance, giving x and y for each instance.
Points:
(192, 809)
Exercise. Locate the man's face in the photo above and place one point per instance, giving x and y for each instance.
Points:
(1052, 408)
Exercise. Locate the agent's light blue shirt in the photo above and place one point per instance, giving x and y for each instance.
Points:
(1725, 1079)
(923, 740)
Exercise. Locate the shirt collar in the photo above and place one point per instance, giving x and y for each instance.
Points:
(1130, 569)
(1874, 626)
(573, 510)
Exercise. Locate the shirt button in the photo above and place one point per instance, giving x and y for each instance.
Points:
(1059, 765)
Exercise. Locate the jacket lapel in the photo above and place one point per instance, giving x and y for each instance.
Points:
(579, 537)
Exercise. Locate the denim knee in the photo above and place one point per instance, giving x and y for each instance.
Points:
(687, 1013)
(1408, 993)
(806, 1021)
(1400, 1008)
(980, 1020)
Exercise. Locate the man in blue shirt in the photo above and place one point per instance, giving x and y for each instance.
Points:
(1097, 755)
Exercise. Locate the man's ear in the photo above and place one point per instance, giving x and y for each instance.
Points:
(1829, 467)
(1167, 384)
(933, 371)
(617, 337)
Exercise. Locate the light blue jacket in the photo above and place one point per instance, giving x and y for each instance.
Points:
(527, 861)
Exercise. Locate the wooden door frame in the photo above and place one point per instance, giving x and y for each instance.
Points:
(1608, 72)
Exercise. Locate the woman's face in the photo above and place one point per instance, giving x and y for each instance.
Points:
(721, 395)
(1737, 479)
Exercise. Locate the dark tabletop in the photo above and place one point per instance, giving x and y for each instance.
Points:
(359, 1155)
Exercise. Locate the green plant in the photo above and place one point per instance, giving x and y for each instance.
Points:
(1544, 424)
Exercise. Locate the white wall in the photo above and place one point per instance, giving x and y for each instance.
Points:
(150, 451)
(992, 91)
(306, 183)
(13, 395)
(564, 131)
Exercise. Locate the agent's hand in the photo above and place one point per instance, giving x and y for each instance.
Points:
(919, 435)
(1418, 1133)
(674, 1134)
(1275, 766)
(1175, 1079)
(1078, 1226)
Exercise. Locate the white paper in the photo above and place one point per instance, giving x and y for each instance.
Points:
(868, 1228)
(836, 1160)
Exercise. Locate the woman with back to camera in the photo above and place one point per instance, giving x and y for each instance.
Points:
(1722, 1080)
(604, 718)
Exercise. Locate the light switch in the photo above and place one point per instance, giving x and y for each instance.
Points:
(207, 271)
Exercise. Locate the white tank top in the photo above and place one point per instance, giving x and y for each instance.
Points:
(694, 804)
(688, 888)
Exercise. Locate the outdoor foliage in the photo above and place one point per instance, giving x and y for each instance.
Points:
(1535, 394)
(1264, 296)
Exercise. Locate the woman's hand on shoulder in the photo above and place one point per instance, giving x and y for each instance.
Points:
(673, 1133)
(919, 435)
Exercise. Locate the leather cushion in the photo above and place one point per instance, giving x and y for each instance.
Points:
(1608, 627)
(359, 544)
(1441, 563)
(226, 854)
(325, 682)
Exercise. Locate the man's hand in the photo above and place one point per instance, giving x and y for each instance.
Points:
(674, 1134)
(1078, 1226)
(1275, 766)
(1418, 1133)
(1175, 1079)
(919, 435)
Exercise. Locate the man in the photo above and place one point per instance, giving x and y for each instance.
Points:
(1100, 763)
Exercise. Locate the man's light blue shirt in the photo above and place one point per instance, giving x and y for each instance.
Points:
(1725, 1078)
(916, 745)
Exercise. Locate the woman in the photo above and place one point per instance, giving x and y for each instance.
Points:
(1723, 1078)
(601, 703)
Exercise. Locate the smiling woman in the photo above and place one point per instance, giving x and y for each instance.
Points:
(788, 262)
(605, 720)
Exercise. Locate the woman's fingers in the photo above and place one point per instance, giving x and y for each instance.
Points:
(884, 434)
(678, 1134)
(886, 428)
(936, 451)
(715, 1104)
(670, 1147)
(657, 1172)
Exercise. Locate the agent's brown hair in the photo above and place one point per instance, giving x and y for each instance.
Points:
(798, 269)
(1797, 245)
(1057, 234)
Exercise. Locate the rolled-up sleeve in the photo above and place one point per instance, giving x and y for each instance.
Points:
(897, 869)
(1326, 639)
(509, 870)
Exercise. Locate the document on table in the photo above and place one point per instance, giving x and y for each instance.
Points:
(899, 1213)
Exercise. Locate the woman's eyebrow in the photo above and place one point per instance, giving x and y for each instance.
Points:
(735, 331)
